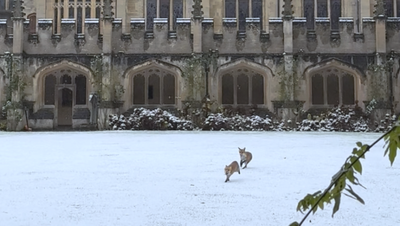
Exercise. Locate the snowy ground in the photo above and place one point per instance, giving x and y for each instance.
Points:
(176, 178)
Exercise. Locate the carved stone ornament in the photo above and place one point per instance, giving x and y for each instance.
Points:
(379, 10)
(287, 9)
(197, 12)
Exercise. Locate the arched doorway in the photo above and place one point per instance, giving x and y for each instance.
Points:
(65, 91)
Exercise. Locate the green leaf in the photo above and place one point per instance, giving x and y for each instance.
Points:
(359, 144)
(321, 205)
(294, 224)
(337, 203)
(350, 176)
(357, 165)
(357, 197)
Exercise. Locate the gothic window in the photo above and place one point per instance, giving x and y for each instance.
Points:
(242, 87)
(322, 8)
(162, 9)
(32, 23)
(309, 14)
(245, 9)
(153, 87)
(332, 87)
(76, 9)
(65, 78)
(336, 12)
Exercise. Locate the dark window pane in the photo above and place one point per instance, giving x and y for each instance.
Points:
(55, 24)
(178, 11)
(242, 90)
(49, 89)
(348, 89)
(333, 89)
(154, 83)
(169, 90)
(317, 90)
(243, 14)
(71, 12)
(65, 79)
(322, 8)
(2, 5)
(309, 14)
(151, 13)
(257, 94)
(398, 8)
(80, 82)
(336, 12)
(389, 8)
(256, 6)
(138, 89)
(164, 9)
(79, 20)
(230, 8)
(227, 89)
(87, 12)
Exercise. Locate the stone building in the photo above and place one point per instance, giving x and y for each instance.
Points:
(73, 62)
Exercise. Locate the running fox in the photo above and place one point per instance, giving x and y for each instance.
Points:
(229, 170)
(245, 157)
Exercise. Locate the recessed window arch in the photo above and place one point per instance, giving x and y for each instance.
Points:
(153, 86)
(333, 87)
(242, 86)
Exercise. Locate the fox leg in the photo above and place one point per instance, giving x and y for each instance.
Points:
(227, 179)
(245, 165)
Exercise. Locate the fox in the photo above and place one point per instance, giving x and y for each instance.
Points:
(232, 168)
(245, 157)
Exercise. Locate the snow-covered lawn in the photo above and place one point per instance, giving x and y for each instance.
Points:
(177, 178)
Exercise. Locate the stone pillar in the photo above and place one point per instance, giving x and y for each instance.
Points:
(106, 105)
(288, 110)
(217, 13)
(379, 80)
(197, 27)
(15, 113)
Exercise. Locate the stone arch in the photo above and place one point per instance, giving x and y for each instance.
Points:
(158, 81)
(58, 67)
(333, 83)
(247, 78)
